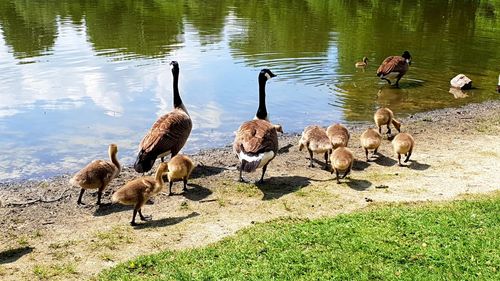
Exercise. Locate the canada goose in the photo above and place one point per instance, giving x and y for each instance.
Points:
(179, 168)
(256, 141)
(403, 143)
(168, 134)
(341, 161)
(314, 138)
(385, 116)
(138, 191)
(370, 139)
(498, 85)
(363, 63)
(461, 82)
(338, 135)
(394, 67)
(97, 174)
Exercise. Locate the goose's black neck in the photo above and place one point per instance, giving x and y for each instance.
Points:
(177, 97)
(262, 111)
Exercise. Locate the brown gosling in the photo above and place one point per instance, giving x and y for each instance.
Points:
(403, 143)
(97, 175)
(362, 64)
(385, 116)
(138, 191)
(314, 138)
(338, 135)
(370, 139)
(179, 168)
(341, 161)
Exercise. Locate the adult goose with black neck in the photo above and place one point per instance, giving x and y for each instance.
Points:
(168, 134)
(394, 67)
(256, 141)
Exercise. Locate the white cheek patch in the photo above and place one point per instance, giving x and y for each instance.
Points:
(171, 66)
(267, 75)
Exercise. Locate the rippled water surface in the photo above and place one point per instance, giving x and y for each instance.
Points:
(78, 75)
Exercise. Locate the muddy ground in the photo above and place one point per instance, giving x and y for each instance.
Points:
(46, 235)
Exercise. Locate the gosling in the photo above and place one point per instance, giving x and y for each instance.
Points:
(370, 139)
(97, 175)
(179, 168)
(138, 191)
(341, 161)
(403, 143)
(363, 63)
(385, 116)
(314, 138)
(338, 135)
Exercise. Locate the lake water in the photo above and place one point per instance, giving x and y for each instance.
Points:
(78, 75)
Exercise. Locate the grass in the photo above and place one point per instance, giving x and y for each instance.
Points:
(449, 241)
(51, 271)
(113, 238)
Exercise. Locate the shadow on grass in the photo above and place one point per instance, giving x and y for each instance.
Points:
(12, 255)
(165, 221)
(276, 187)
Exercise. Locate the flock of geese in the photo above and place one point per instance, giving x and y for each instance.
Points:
(255, 145)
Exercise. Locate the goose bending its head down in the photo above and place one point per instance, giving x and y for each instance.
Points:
(138, 191)
(315, 140)
(168, 134)
(338, 135)
(179, 168)
(341, 161)
(385, 116)
(403, 143)
(97, 174)
(256, 141)
(394, 67)
(370, 139)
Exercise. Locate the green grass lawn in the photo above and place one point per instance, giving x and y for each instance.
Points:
(447, 241)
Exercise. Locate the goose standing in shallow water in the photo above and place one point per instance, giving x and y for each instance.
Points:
(394, 67)
(363, 63)
(168, 134)
(256, 141)
(498, 86)
(97, 174)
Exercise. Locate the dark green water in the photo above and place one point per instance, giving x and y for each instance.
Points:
(76, 75)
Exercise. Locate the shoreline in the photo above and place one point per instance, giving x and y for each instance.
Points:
(455, 154)
(354, 127)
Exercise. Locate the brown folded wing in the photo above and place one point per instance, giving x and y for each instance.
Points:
(393, 63)
(169, 133)
(255, 137)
